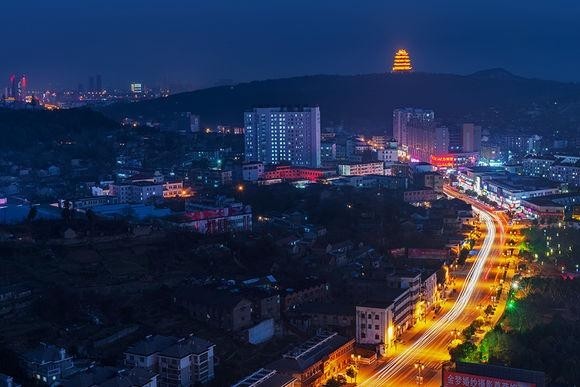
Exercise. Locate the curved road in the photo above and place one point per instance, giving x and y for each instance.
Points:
(429, 347)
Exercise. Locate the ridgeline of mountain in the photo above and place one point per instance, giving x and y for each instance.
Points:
(497, 73)
(495, 98)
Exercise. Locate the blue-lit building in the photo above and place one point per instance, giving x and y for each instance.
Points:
(274, 135)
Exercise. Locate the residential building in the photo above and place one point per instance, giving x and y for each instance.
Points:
(274, 135)
(372, 181)
(144, 353)
(471, 135)
(419, 195)
(267, 378)
(316, 360)
(173, 189)
(288, 172)
(454, 160)
(92, 201)
(560, 168)
(410, 125)
(136, 192)
(504, 188)
(309, 291)
(433, 180)
(47, 364)
(538, 166)
(97, 376)
(8, 381)
(424, 140)
(374, 324)
(215, 218)
(327, 151)
(338, 316)
(359, 169)
(186, 363)
(252, 171)
(552, 208)
(566, 170)
(389, 152)
(218, 308)
(213, 177)
(440, 141)
(405, 300)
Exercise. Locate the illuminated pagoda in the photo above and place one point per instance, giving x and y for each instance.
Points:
(402, 62)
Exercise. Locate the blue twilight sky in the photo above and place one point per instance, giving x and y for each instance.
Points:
(61, 42)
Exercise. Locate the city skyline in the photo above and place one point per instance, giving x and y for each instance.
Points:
(63, 42)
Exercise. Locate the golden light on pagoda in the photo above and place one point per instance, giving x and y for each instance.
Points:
(402, 62)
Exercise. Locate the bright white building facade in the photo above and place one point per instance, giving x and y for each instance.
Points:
(275, 135)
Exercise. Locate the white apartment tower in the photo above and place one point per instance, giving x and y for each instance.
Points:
(275, 135)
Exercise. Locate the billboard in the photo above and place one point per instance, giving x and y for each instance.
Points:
(455, 379)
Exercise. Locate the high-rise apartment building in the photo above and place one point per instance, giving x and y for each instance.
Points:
(402, 118)
(276, 135)
(471, 135)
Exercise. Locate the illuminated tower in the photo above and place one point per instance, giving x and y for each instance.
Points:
(402, 62)
(21, 88)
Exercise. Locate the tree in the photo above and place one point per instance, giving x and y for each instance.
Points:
(464, 352)
(468, 332)
(332, 382)
(478, 323)
(488, 311)
(351, 372)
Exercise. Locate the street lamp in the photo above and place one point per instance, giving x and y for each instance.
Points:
(455, 333)
(419, 367)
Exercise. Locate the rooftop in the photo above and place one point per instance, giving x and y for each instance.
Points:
(309, 352)
(151, 344)
(46, 353)
(265, 378)
(188, 346)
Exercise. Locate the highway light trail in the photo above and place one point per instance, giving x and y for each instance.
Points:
(409, 355)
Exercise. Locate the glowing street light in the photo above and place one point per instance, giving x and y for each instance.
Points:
(419, 367)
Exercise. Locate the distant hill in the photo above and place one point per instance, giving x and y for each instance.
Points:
(494, 97)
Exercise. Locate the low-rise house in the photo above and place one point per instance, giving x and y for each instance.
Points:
(218, 308)
(8, 381)
(309, 291)
(96, 376)
(375, 324)
(47, 364)
(338, 316)
(186, 363)
(144, 353)
(267, 378)
(215, 219)
(173, 362)
(316, 360)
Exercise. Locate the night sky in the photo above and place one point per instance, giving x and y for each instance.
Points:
(61, 42)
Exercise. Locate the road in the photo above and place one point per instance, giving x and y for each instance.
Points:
(429, 345)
